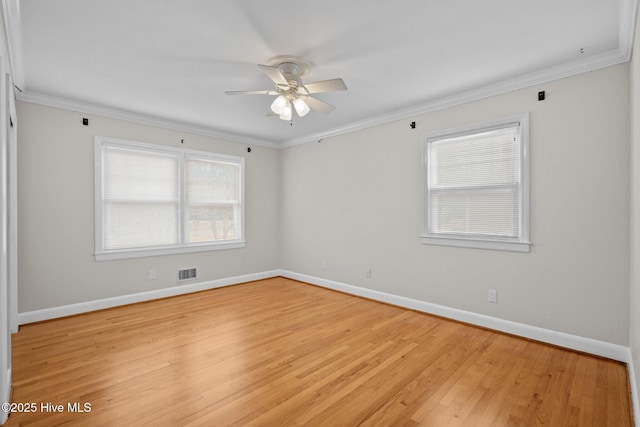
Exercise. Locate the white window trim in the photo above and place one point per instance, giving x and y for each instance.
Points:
(522, 244)
(107, 255)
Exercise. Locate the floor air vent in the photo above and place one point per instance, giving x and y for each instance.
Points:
(185, 274)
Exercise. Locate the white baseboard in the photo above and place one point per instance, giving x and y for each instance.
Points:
(84, 307)
(635, 403)
(574, 342)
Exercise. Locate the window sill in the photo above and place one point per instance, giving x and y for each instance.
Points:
(140, 253)
(477, 243)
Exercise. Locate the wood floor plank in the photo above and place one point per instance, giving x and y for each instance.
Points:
(281, 352)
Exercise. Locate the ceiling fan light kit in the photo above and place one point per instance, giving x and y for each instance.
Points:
(286, 72)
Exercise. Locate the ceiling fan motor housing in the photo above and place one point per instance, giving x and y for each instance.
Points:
(289, 68)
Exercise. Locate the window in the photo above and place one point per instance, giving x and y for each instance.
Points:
(476, 186)
(157, 200)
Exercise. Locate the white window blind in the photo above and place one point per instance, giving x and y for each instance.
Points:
(155, 200)
(140, 198)
(213, 204)
(475, 186)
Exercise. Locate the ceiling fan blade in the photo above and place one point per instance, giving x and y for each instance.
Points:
(332, 85)
(318, 105)
(270, 113)
(251, 92)
(274, 74)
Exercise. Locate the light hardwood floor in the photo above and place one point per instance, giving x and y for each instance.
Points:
(280, 352)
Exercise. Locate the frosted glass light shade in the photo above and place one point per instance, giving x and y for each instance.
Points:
(301, 107)
(278, 104)
(286, 112)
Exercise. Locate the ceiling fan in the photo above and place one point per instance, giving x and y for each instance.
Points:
(286, 73)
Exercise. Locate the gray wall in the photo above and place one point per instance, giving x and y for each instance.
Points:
(56, 212)
(355, 201)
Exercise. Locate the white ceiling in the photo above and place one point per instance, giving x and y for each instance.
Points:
(170, 61)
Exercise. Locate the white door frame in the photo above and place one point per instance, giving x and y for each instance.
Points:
(5, 335)
(12, 144)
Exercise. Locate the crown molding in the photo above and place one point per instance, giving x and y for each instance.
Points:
(626, 36)
(583, 65)
(580, 66)
(13, 35)
(115, 113)
(627, 25)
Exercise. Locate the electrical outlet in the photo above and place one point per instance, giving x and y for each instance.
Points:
(324, 264)
(367, 274)
(152, 274)
(493, 295)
